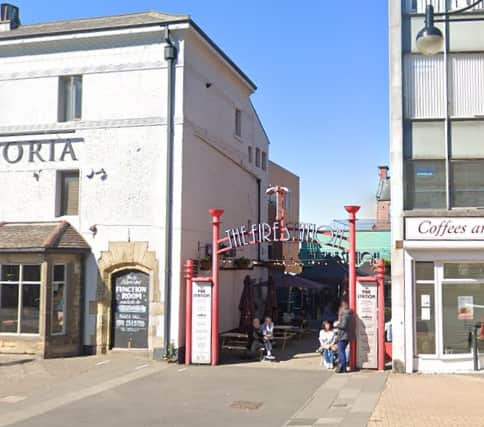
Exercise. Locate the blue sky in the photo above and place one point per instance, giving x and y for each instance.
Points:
(322, 73)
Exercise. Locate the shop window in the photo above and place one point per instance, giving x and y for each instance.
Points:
(19, 299)
(58, 318)
(70, 98)
(257, 157)
(425, 308)
(426, 188)
(461, 309)
(68, 187)
(238, 122)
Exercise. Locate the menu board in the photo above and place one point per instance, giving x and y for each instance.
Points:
(201, 322)
(131, 303)
(367, 325)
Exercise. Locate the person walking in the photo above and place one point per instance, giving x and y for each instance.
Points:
(346, 333)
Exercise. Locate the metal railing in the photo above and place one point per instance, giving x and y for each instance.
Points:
(418, 6)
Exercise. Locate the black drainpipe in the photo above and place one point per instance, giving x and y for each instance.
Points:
(170, 57)
(258, 214)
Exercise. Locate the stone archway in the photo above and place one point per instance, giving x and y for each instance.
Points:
(125, 256)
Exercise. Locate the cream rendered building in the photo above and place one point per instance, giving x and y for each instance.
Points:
(88, 110)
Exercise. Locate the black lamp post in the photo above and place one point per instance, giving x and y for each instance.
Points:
(430, 39)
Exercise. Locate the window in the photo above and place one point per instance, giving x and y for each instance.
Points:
(257, 157)
(19, 298)
(58, 318)
(238, 122)
(264, 160)
(70, 98)
(462, 306)
(425, 308)
(425, 182)
(69, 193)
(250, 154)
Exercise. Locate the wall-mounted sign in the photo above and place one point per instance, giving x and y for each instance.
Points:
(277, 232)
(201, 322)
(131, 306)
(456, 228)
(39, 151)
(367, 325)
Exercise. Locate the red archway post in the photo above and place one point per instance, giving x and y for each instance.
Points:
(216, 214)
(189, 267)
(352, 210)
(380, 278)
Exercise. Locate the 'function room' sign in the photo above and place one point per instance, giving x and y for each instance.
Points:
(201, 322)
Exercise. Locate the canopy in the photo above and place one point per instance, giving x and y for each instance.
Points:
(296, 281)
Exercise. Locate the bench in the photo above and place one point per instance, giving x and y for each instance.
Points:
(235, 341)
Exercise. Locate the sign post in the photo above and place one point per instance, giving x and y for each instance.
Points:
(201, 321)
(352, 210)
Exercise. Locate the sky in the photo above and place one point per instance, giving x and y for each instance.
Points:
(321, 68)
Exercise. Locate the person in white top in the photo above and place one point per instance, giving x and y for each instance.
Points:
(327, 341)
(268, 334)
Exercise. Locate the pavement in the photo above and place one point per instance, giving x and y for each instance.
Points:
(431, 400)
(124, 389)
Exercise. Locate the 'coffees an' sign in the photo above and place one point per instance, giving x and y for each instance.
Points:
(448, 228)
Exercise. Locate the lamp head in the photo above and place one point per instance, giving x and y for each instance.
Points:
(430, 39)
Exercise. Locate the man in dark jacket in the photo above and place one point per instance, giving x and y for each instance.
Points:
(346, 333)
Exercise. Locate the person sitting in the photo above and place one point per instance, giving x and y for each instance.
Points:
(327, 341)
(267, 335)
(255, 338)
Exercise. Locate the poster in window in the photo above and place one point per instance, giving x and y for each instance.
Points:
(425, 300)
(465, 307)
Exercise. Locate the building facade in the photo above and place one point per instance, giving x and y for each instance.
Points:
(286, 253)
(437, 162)
(89, 111)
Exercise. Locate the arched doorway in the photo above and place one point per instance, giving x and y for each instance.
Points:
(130, 309)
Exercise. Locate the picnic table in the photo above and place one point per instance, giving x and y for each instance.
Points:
(285, 333)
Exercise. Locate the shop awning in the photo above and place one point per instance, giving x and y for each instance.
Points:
(57, 236)
(296, 281)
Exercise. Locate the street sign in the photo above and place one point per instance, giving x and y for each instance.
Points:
(367, 325)
(201, 322)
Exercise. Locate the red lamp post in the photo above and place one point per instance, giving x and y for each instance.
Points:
(216, 214)
(352, 210)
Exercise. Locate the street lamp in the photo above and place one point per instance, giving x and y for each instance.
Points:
(430, 39)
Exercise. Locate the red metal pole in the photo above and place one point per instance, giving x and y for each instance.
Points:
(380, 274)
(352, 210)
(216, 214)
(188, 311)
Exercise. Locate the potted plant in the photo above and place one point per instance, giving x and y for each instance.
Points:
(242, 263)
(205, 263)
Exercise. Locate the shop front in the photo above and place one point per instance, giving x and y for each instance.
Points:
(41, 275)
(444, 292)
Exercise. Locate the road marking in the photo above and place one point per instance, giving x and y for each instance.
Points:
(141, 367)
(102, 363)
(182, 369)
(74, 396)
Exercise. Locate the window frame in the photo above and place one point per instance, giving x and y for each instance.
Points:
(62, 101)
(61, 193)
(238, 123)
(439, 283)
(263, 160)
(20, 284)
(257, 156)
(250, 154)
(57, 282)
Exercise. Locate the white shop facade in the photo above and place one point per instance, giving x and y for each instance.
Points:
(444, 293)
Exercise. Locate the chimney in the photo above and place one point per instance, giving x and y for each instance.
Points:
(383, 172)
(9, 17)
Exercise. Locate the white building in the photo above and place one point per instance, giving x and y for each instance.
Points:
(84, 131)
(437, 160)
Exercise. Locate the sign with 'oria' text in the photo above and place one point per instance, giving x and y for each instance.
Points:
(201, 322)
(39, 151)
(455, 228)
